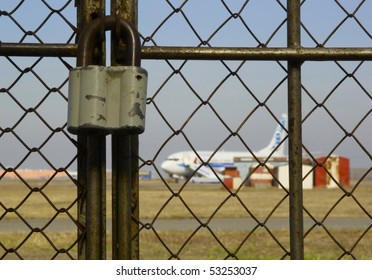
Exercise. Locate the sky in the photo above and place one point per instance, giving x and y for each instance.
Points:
(344, 87)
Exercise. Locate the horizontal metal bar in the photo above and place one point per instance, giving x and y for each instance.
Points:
(50, 50)
(201, 53)
(314, 54)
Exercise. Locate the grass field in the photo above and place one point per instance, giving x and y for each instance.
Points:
(202, 201)
(202, 245)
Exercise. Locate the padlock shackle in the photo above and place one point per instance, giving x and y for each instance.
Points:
(89, 35)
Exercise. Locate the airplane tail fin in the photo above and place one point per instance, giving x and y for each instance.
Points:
(278, 136)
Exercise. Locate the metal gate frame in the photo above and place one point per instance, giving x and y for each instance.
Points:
(125, 163)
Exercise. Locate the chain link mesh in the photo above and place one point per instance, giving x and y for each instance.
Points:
(33, 102)
(33, 99)
(256, 28)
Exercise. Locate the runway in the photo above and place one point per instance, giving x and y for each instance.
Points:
(216, 224)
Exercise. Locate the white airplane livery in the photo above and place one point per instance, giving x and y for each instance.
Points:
(187, 164)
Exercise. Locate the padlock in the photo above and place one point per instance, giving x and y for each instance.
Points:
(107, 99)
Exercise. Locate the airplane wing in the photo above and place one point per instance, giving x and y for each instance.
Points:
(202, 171)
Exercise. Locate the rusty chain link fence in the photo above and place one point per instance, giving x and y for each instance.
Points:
(221, 74)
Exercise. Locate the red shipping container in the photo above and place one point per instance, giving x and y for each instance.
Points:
(338, 167)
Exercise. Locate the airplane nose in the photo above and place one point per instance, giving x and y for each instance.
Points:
(165, 166)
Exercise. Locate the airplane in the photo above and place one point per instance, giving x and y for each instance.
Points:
(189, 164)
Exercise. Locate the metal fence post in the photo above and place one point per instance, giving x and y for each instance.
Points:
(96, 198)
(125, 186)
(122, 198)
(91, 164)
(295, 134)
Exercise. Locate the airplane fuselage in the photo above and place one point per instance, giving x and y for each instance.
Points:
(188, 164)
(208, 163)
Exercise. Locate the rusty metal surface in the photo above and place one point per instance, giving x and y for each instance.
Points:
(262, 54)
(125, 182)
(295, 134)
(89, 36)
(91, 155)
(121, 165)
(193, 53)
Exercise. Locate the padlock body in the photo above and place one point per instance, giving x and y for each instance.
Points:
(107, 99)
